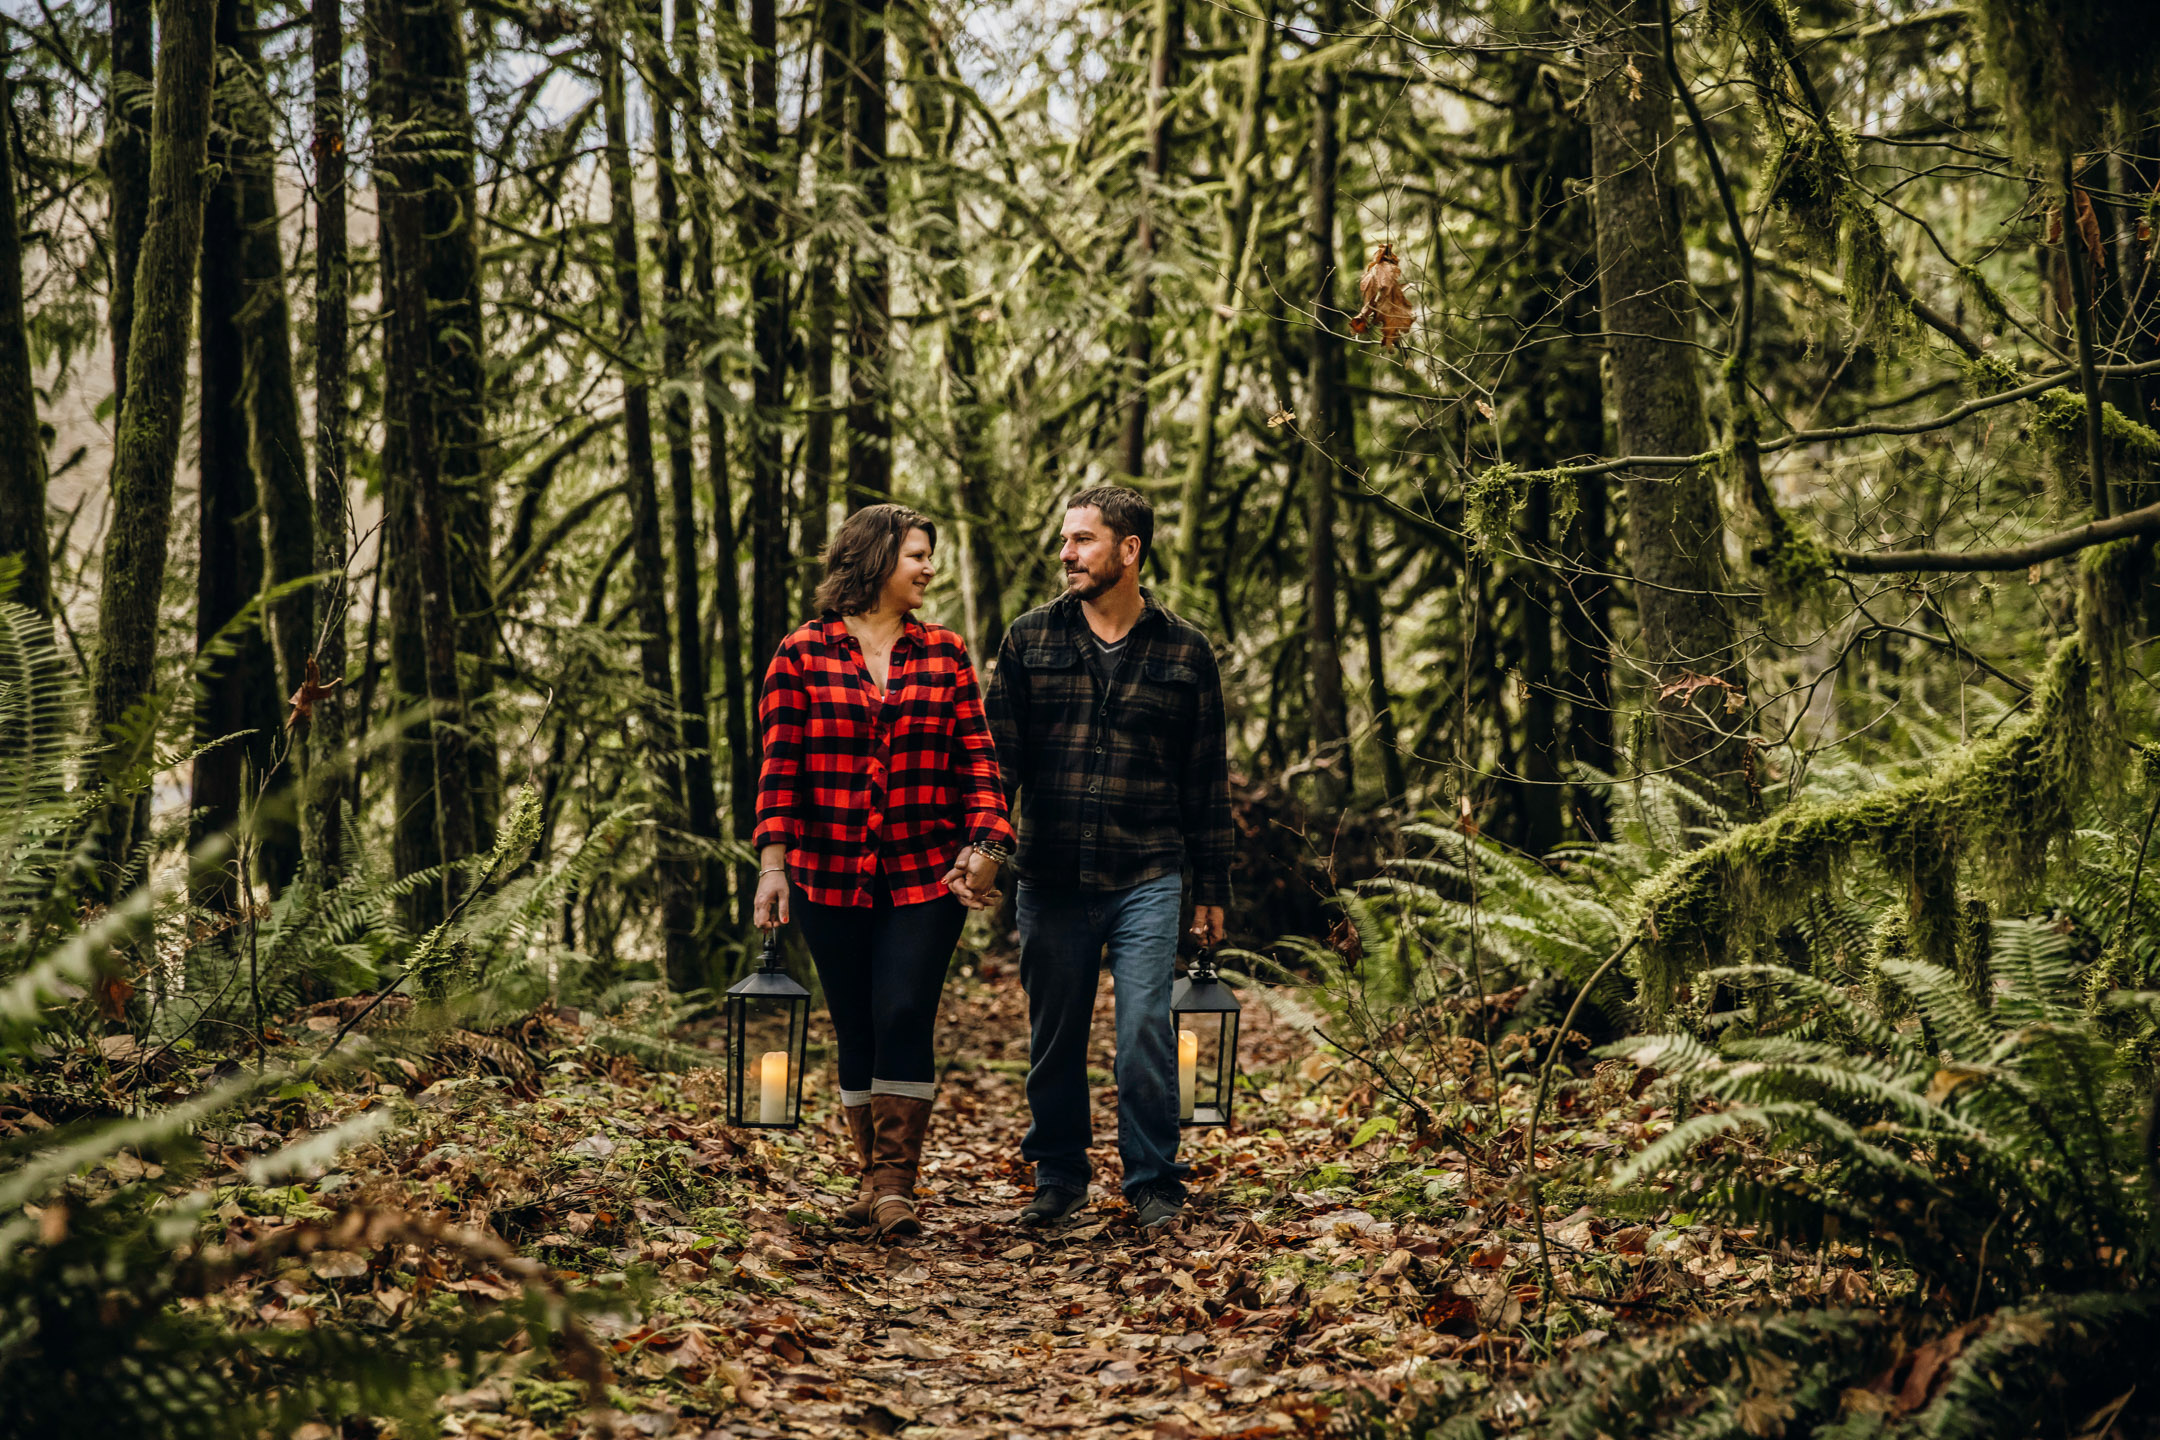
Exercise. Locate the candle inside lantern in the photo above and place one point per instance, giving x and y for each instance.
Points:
(773, 1088)
(1188, 1060)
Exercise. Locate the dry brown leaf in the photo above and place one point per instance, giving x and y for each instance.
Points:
(2088, 225)
(311, 690)
(1385, 303)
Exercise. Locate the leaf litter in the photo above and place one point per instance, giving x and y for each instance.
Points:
(1337, 1255)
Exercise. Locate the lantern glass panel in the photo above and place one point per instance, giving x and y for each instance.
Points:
(768, 1024)
(1205, 1013)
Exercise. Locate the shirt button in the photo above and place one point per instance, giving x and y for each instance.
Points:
(1087, 834)
(1094, 786)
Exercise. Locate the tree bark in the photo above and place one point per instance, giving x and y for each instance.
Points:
(648, 561)
(127, 170)
(937, 206)
(1675, 531)
(761, 242)
(434, 432)
(1232, 259)
(727, 581)
(1168, 26)
(236, 715)
(821, 308)
(700, 810)
(869, 446)
(148, 444)
(322, 828)
(22, 448)
(1331, 448)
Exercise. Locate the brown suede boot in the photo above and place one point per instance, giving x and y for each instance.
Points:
(899, 1123)
(858, 1124)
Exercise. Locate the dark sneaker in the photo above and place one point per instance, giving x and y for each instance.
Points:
(1158, 1208)
(1052, 1205)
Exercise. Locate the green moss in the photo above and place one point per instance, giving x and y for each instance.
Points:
(1992, 374)
(1992, 808)
(1496, 495)
(2132, 450)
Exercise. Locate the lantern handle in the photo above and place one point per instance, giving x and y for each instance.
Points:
(769, 960)
(1201, 968)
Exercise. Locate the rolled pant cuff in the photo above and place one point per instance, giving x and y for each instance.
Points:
(912, 1089)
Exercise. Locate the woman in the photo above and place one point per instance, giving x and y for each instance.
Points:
(880, 819)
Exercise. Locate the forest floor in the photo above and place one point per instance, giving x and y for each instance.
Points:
(1325, 1268)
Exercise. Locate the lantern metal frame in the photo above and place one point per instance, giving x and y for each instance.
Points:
(1201, 992)
(767, 986)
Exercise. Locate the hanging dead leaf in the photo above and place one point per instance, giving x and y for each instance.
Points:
(1281, 418)
(1382, 289)
(2088, 224)
(2054, 225)
(1634, 76)
(113, 994)
(311, 689)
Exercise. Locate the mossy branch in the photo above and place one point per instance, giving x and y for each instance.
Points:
(1994, 807)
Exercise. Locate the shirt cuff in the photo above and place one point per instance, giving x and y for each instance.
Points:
(777, 830)
(989, 827)
(1210, 889)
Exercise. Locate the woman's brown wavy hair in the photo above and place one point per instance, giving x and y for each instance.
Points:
(862, 555)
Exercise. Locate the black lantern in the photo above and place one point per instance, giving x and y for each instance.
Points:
(1205, 1012)
(768, 1020)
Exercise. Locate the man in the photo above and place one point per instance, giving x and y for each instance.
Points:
(1108, 713)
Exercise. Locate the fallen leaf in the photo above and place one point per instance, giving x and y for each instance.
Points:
(337, 1264)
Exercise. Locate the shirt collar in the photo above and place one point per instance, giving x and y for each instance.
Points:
(912, 628)
(1151, 611)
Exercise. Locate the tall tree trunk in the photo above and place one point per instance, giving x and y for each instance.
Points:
(127, 169)
(1167, 23)
(275, 451)
(1331, 449)
(1675, 531)
(431, 264)
(322, 829)
(937, 207)
(869, 447)
(237, 672)
(148, 444)
(700, 810)
(768, 343)
(648, 560)
(727, 581)
(22, 449)
(1233, 256)
(1366, 595)
(821, 308)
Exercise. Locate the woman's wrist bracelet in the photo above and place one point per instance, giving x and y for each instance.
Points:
(776, 870)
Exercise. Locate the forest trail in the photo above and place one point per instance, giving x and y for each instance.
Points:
(1266, 1305)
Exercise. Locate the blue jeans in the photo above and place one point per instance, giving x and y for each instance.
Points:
(1062, 935)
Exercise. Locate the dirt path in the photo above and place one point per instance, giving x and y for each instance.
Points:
(1252, 1318)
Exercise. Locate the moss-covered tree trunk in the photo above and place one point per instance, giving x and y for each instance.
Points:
(236, 671)
(935, 122)
(127, 170)
(1331, 440)
(700, 810)
(1167, 34)
(727, 553)
(1233, 252)
(433, 432)
(148, 443)
(869, 437)
(761, 244)
(821, 304)
(22, 449)
(648, 560)
(322, 829)
(1675, 533)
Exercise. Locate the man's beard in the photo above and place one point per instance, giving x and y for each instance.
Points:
(1092, 584)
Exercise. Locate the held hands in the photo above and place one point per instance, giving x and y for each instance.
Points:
(973, 879)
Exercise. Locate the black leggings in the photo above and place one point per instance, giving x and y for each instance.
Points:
(883, 969)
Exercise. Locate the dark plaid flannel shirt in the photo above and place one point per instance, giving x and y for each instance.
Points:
(1126, 781)
(850, 784)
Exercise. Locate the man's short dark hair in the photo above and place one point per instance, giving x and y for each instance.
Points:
(1124, 510)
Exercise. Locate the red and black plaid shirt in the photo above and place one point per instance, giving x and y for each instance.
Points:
(853, 785)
